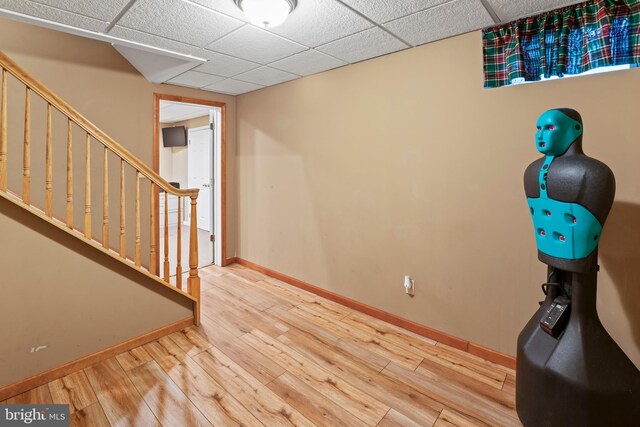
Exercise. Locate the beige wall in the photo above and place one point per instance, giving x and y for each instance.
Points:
(59, 292)
(105, 88)
(404, 164)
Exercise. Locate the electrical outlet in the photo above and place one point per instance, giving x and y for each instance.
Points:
(409, 286)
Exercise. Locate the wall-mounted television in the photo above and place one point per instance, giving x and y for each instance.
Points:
(174, 136)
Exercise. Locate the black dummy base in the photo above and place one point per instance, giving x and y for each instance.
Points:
(582, 378)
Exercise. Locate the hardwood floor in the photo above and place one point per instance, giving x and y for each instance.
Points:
(274, 355)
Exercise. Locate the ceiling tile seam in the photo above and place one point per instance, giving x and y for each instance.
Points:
(454, 35)
(371, 21)
(202, 87)
(380, 56)
(232, 57)
(490, 11)
(223, 92)
(420, 11)
(119, 16)
(297, 76)
(206, 47)
(60, 10)
(210, 74)
(270, 64)
(183, 85)
(331, 56)
(217, 12)
(242, 81)
(353, 34)
(230, 92)
(214, 10)
(259, 29)
(195, 71)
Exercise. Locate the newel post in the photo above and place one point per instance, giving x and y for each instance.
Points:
(193, 282)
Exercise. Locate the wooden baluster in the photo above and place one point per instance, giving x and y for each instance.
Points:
(138, 257)
(3, 133)
(105, 200)
(179, 247)
(193, 282)
(123, 239)
(48, 183)
(166, 237)
(87, 190)
(152, 238)
(69, 175)
(26, 157)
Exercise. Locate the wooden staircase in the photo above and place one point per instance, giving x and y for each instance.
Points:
(144, 175)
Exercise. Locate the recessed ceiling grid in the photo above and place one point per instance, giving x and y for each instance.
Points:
(318, 35)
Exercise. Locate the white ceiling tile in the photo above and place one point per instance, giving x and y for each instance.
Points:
(386, 10)
(151, 40)
(233, 87)
(307, 63)
(449, 19)
(255, 44)
(509, 10)
(228, 7)
(266, 76)
(178, 20)
(53, 14)
(222, 65)
(99, 9)
(317, 22)
(195, 79)
(171, 113)
(364, 45)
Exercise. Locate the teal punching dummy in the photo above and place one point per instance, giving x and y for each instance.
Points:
(569, 371)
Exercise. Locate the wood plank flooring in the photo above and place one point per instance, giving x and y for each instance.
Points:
(269, 354)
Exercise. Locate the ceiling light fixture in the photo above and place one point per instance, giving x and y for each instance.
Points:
(266, 13)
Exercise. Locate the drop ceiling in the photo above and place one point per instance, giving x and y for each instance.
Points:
(209, 45)
(173, 112)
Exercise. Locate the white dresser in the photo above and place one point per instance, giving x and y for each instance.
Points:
(173, 210)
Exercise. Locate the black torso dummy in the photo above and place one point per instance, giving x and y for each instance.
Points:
(569, 370)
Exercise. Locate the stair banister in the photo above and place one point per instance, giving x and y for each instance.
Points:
(93, 133)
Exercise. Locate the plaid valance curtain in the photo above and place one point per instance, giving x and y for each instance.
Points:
(570, 40)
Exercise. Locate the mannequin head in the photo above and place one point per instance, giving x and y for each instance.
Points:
(558, 129)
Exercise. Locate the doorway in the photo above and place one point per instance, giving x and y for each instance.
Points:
(195, 162)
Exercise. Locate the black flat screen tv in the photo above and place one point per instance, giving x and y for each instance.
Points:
(174, 136)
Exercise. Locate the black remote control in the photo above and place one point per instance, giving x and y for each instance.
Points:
(555, 318)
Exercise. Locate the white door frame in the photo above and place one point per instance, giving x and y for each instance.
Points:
(215, 117)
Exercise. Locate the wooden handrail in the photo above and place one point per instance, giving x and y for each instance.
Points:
(37, 87)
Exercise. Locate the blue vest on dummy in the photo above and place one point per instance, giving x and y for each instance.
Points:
(563, 230)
